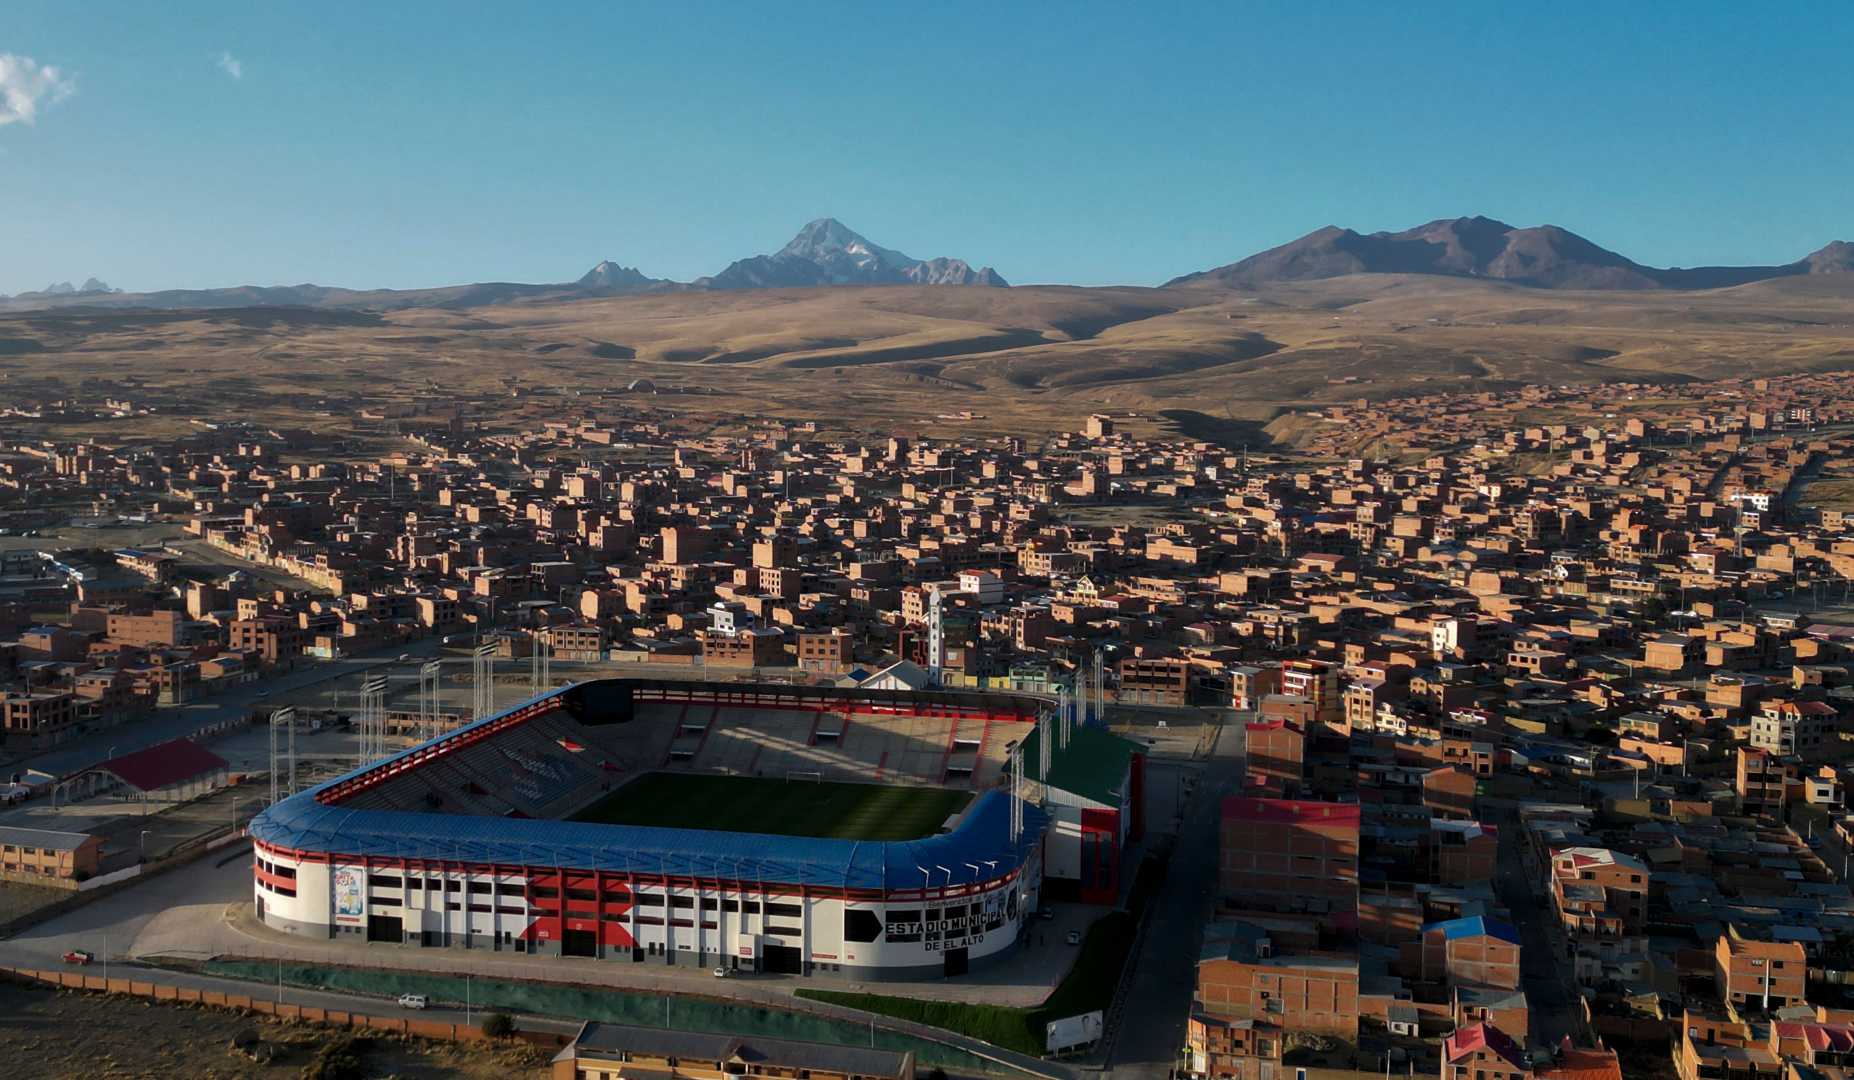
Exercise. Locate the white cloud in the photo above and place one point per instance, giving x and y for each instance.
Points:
(25, 85)
(231, 65)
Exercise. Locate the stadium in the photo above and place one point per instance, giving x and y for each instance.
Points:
(804, 830)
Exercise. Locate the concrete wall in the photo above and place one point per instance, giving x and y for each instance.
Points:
(428, 1029)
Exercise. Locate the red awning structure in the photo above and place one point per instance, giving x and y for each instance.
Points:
(163, 766)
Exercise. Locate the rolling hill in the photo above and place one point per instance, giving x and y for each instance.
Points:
(1544, 256)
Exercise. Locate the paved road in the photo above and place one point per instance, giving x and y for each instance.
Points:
(92, 747)
(1165, 971)
(108, 927)
(183, 914)
(1546, 983)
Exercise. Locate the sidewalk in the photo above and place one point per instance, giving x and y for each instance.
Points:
(235, 930)
(240, 936)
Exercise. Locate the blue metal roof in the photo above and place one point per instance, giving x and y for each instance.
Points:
(1475, 926)
(980, 838)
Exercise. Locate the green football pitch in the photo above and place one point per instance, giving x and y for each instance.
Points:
(798, 807)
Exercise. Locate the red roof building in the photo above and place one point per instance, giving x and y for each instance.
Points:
(1483, 1052)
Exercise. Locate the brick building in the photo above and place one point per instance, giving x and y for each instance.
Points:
(1276, 753)
(1474, 951)
(1760, 976)
(1290, 855)
(1241, 976)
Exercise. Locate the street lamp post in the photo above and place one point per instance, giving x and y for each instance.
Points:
(144, 846)
(467, 979)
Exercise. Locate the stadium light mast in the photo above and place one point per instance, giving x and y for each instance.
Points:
(430, 677)
(373, 719)
(483, 674)
(540, 653)
(1042, 748)
(1100, 691)
(286, 717)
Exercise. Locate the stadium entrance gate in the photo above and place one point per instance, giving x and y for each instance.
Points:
(784, 960)
(953, 962)
(386, 928)
(579, 943)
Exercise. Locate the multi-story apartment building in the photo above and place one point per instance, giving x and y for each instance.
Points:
(1471, 951)
(1241, 976)
(1761, 783)
(1290, 855)
(33, 719)
(1759, 976)
(1219, 1048)
(1276, 753)
(1163, 680)
(1601, 899)
(1793, 728)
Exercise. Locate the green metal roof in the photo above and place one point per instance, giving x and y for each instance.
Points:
(1093, 765)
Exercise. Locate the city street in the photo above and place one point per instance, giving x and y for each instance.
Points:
(1164, 978)
(1554, 1012)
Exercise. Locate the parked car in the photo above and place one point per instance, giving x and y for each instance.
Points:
(1074, 937)
(78, 956)
(721, 973)
(1046, 913)
(413, 1001)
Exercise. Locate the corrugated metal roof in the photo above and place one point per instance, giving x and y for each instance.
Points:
(43, 839)
(1093, 765)
(1475, 926)
(981, 837)
(173, 762)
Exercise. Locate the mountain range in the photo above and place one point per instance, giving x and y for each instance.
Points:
(90, 287)
(1543, 256)
(825, 252)
(828, 253)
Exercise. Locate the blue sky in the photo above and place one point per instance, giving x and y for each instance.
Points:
(410, 144)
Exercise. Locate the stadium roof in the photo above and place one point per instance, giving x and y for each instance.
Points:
(163, 765)
(980, 838)
(1093, 765)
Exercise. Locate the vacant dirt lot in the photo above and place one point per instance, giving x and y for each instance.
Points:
(48, 1033)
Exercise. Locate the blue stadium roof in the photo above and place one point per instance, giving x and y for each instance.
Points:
(980, 838)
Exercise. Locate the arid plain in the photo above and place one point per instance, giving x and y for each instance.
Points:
(1018, 359)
